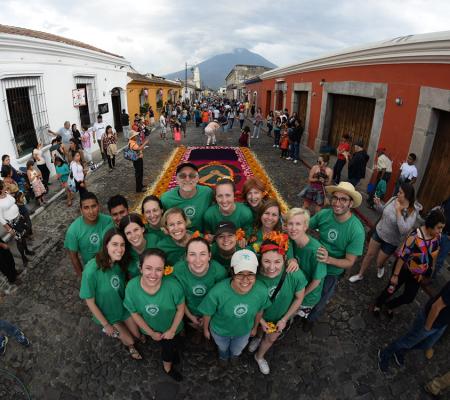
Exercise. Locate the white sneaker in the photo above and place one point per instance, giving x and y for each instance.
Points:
(274, 145)
(288, 158)
(380, 273)
(254, 344)
(295, 161)
(263, 366)
(356, 278)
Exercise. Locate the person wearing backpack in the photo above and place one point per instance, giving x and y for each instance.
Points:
(138, 160)
(415, 264)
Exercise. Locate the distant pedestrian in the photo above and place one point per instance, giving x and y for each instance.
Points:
(357, 164)
(183, 122)
(99, 129)
(343, 151)
(65, 132)
(151, 115)
(125, 121)
(284, 142)
(277, 132)
(163, 125)
(110, 146)
(244, 139)
(231, 117)
(408, 172)
(177, 134)
(138, 164)
(384, 171)
(295, 136)
(35, 179)
(241, 118)
(270, 121)
(41, 163)
(62, 174)
(210, 131)
(257, 124)
(78, 172)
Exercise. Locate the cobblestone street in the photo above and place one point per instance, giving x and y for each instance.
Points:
(70, 358)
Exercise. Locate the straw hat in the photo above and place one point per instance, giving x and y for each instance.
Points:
(347, 188)
(133, 134)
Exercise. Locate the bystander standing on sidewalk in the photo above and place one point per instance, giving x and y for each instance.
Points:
(125, 121)
(408, 172)
(99, 129)
(295, 136)
(65, 132)
(343, 150)
(357, 164)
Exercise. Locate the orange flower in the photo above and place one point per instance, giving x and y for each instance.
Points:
(168, 269)
(196, 234)
(271, 327)
(240, 234)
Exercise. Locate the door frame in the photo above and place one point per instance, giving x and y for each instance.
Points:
(426, 124)
(377, 91)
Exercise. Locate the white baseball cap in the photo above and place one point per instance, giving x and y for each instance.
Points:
(244, 260)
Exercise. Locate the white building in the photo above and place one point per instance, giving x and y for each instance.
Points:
(40, 74)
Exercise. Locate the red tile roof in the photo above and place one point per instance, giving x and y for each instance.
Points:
(14, 30)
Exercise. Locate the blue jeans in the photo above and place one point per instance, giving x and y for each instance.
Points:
(329, 287)
(443, 252)
(9, 329)
(294, 151)
(230, 346)
(230, 123)
(416, 338)
(256, 131)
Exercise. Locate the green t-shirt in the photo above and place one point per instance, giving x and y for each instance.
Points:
(133, 266)
(242, 217)
(215, 255)
(311, 268)
(293, 283)
(196, 287)
(107, 288)
(87, 239)
(339, 238)
(174, 252)
(157, 310)
(154, 236)
(194, 208)
(233, 314)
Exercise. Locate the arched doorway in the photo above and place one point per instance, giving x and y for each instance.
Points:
(116, 107)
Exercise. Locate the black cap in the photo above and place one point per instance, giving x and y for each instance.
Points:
(225, 226)
(99, 116)
(359, 143)
(186, 164)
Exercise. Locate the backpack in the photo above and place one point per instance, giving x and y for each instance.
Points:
(130, 154)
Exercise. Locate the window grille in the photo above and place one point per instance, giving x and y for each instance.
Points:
(89, 112)
(26, 110)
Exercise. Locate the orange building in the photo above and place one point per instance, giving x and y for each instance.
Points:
(393, 94)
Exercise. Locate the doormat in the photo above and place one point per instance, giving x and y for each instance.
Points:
(216, 162)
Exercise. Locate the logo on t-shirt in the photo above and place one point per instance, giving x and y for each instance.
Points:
(152, 309)
(271, 290)
(240, 310)
(189, 211)
(199, 290)
(115, 282)
(332, 235)
(94, 238)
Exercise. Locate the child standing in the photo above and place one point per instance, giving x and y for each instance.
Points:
(244, 139)
(35, 179)
(177, 133)
(284, 142)
(86, 143)
(63, 171)
(277, 132)
(163, 124)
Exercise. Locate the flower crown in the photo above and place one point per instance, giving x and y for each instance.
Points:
(280, 242)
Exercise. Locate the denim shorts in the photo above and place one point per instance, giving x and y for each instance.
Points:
(386, 247)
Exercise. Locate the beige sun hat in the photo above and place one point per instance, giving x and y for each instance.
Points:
(133, 134)
(347, 188)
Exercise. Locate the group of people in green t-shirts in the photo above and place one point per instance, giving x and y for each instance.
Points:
(200, 262)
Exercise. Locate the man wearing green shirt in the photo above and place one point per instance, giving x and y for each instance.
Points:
(118, 208)
(342, 237)
(84, 237)
(192, 198)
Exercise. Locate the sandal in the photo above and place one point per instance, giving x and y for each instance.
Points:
(134, 353)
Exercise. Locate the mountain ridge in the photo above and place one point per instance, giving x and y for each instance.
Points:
(214, 70)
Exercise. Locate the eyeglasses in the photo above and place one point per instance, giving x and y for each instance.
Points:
(249, 277)
(182, 175)
(341, 200)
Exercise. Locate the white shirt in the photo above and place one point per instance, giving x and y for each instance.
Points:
(408, 171)
(162, 120)
(384, 162)
(99, 129)
(8, 209)
(37, 154)
(77, 171)
(65, 134)
(216, 113)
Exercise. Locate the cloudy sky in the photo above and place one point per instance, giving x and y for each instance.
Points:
(159, 36)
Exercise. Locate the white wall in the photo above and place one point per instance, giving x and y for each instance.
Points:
(58, 64)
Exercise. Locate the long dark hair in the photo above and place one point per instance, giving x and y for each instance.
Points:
(410, 195)
(262, 209)
(102, 257)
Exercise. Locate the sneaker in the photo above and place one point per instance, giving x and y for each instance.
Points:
(355, 278)
(383, 364)
(295, 161)
(263, 366)
(429, 353)
(254, 344)
(380, 272)
(288, 158)
(274, 145)
(376, 311)
(399, 359)
(3, 343)
(22, 339)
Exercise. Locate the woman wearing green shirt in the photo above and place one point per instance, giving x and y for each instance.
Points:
(152, 210)
(254, 194)
(174, 223)
(137, 240)
(226, 209)
(103, 288)
(267, 220)
(225, 243)
(233, 308)
(286, 292)
(197, 275)
(156, 303)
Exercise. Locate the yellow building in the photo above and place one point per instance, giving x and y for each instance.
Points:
(153, 91)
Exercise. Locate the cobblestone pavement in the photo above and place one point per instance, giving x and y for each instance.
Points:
(70, 359)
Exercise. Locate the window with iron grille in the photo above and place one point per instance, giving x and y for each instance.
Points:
(88, 113)
(24, 99)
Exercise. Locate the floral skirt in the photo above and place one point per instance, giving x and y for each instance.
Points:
(38, 187)
(315, 194)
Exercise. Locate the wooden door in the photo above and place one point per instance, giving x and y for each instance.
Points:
(435, 186)
(301, 103)
(352, 115)
(268, 101)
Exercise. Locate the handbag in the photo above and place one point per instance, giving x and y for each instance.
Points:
(20, 226)
(71, 184)
(130, 154)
